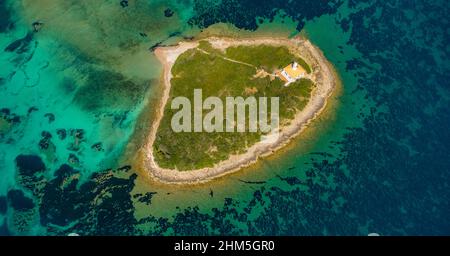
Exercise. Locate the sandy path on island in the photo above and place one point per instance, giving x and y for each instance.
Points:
(323, 75)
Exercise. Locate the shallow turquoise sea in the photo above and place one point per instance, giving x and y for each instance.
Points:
(78, 78)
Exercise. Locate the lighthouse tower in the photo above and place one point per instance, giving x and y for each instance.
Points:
(292, 73)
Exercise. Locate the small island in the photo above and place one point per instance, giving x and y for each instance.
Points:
(293, 70)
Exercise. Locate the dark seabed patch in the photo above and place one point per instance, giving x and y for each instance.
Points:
(5, 22)
(3, 205)
(30, 175)
(168, 13)
(66, 201)
(4, 229)
(29, 164)
(105, 87)
(145, 198)
(20, 45)
(246, 14)
(19, 201)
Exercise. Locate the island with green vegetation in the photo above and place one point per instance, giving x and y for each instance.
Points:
(227, 67)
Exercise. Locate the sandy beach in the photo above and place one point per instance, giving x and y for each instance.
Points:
(323, 75)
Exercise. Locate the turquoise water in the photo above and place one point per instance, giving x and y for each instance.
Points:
(76, 96)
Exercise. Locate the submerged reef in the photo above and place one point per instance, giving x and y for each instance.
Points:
(6, 22)
(105, 87)
(65, 200)
(247, 14)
